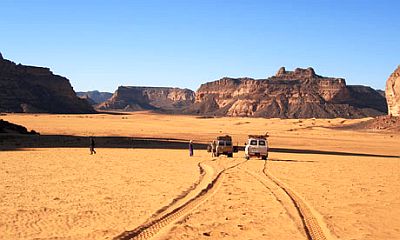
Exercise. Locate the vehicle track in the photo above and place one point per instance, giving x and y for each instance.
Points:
(313, 224)
(162, 219)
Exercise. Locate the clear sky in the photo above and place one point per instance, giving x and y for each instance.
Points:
(104, 44)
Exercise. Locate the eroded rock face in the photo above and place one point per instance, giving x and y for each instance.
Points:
(37, 89)
(149, 98)
(393, 93)
(289, 94)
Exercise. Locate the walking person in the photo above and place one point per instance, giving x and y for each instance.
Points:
(191, 150)
(92, 144)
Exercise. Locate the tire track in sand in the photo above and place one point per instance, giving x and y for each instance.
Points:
(180, 207)
(313, 223)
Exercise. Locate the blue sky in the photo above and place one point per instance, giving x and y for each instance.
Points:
(104, 44)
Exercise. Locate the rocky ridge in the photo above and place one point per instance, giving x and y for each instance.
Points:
(289, 94)
(11, 128)
(36, 89)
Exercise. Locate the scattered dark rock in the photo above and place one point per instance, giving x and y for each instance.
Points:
(382, 123)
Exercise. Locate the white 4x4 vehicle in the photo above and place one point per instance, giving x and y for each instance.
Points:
(257, 146)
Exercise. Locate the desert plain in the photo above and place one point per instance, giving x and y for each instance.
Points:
(322, 180)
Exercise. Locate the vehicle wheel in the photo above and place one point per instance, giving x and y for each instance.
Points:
(264, 157)
(247, 157)
(230, 155)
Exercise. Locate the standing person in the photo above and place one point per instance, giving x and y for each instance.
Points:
(213, 148)
(92, 151)
(191, 150)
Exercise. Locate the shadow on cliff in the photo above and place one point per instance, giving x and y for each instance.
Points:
(16, 142)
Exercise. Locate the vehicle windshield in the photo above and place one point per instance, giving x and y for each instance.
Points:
(261, 143)
(253, 142)
(221, 143)
(228, 143)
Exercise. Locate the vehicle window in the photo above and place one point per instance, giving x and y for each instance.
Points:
(221, 143)
(253, 142)
(228, 143)
(261, 143)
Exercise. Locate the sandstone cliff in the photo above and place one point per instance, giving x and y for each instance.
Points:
(37, 89)
(393, 93)
(164, 99)
(289, 94)
(95, 97)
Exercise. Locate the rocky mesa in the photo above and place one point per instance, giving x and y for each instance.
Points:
(393, 93)
(289, 94)
(36, 89)
(171, 100)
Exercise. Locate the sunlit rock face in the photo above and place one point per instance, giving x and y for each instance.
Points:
(289, 94)
(392, 93)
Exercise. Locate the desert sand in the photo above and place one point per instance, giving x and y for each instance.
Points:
(318, 183)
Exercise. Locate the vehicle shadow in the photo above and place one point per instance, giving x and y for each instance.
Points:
(280, 160)
(288, 160)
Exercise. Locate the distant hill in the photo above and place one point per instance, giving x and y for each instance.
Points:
(95, 96)
(289, 94)
(170, 100)
(36, 89)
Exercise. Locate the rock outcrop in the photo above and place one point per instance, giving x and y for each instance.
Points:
(95, 97)
(393, 93)
(11, 128)
(171, 100)
(289, 94)
(37, 89)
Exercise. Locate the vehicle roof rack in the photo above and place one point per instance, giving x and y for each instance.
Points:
(226, 138)
(265, 136)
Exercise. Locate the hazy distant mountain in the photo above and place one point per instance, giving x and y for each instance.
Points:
(37, 89)
(96, 96)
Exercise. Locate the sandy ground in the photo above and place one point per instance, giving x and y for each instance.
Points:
(68, 194)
